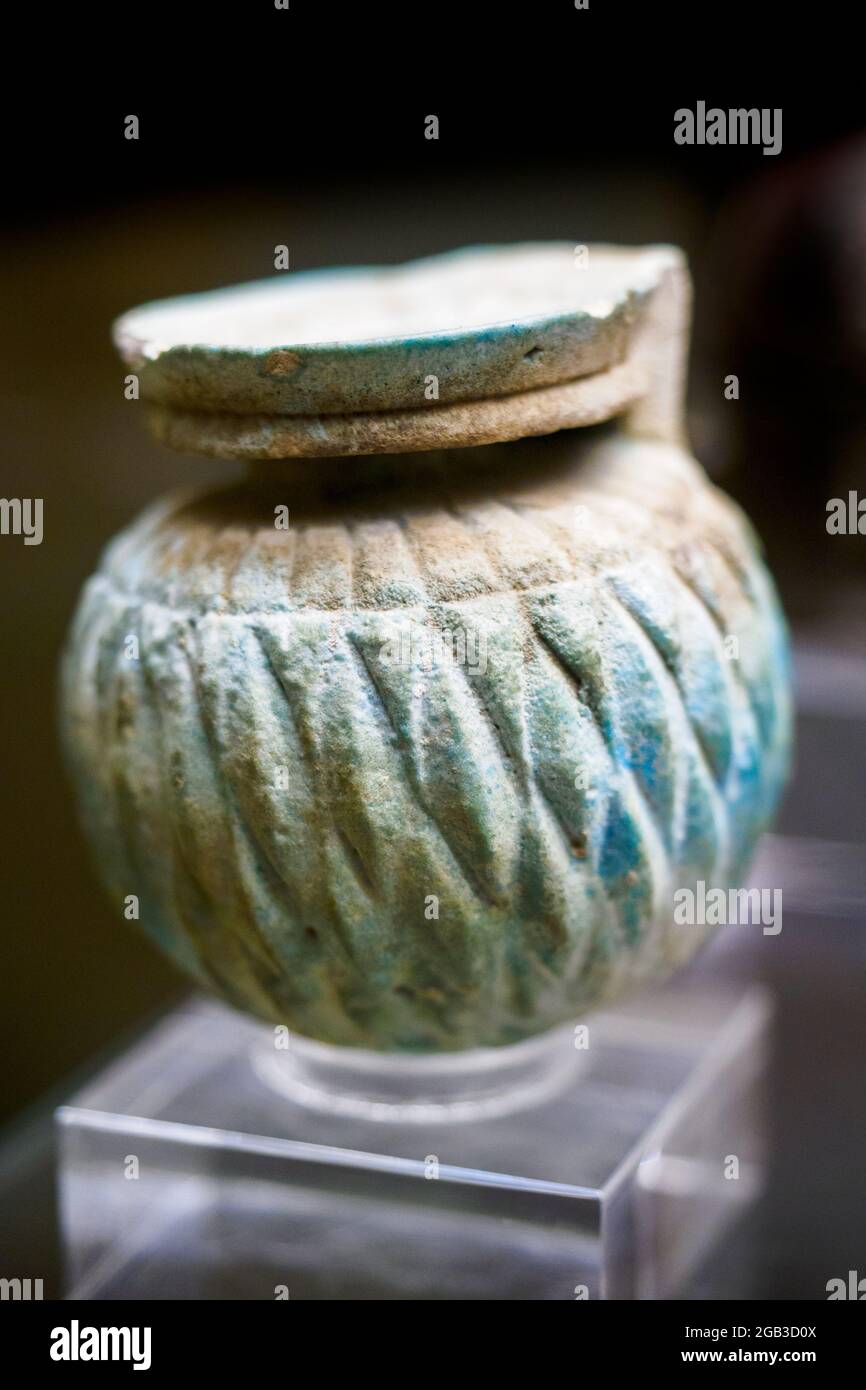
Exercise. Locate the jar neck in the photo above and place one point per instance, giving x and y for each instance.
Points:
(469, 470)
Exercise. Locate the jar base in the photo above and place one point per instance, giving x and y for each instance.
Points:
(480, 1083)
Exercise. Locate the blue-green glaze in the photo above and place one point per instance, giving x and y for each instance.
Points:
(603, 582)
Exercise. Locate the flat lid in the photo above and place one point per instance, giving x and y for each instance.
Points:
(472, 325)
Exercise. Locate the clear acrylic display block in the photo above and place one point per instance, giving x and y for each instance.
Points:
(209, 1162)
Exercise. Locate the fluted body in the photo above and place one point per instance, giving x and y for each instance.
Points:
(424, 770)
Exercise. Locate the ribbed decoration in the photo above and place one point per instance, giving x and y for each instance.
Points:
(286, 781)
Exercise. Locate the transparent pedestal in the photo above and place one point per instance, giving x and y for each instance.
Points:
(603, 1161)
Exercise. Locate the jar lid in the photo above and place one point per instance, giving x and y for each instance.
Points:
(473, 347)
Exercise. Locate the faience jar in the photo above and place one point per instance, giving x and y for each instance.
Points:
(408, 739)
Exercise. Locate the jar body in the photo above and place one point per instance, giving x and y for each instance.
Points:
(415, 755)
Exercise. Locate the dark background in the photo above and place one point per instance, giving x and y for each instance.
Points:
(307, 128)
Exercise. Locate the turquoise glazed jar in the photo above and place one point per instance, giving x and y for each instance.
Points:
(411, 750)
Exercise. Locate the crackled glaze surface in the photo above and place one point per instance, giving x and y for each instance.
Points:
(287, 788)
